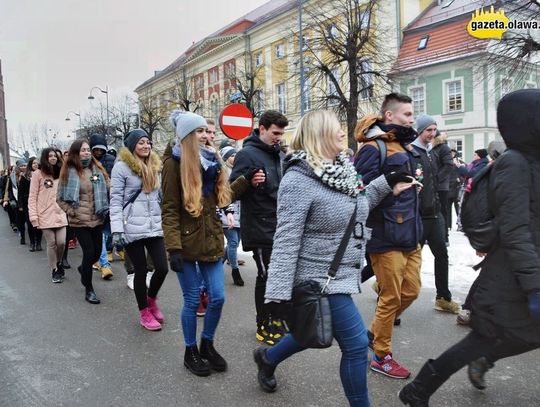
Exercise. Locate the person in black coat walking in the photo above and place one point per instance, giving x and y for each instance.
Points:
(505, 304)
(261, 151)
(443, 160)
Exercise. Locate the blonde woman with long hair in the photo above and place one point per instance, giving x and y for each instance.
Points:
(136, 220)
(194, 184)
(318, 194)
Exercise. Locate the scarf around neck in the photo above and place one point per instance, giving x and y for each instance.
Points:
(70, 191)
(209, 164)
(339, 175)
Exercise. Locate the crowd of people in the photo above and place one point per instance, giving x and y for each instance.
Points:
(289, 207)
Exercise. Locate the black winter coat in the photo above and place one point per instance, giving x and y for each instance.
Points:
(23, 192)
(258, 219)
(512, 269)
(442, 158)
(430, 206)
(107, 160)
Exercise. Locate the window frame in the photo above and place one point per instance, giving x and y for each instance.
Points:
(277, 49)
(446, 93)
(331, 88)
(281, 98)
(410, 91)
(362, 94)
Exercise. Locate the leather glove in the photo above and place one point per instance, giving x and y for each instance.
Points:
(176, 261)
(534, 304)
(280, 310)
(394, 177)
(119, 239)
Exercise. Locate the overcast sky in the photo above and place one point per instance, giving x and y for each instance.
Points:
(54, 51)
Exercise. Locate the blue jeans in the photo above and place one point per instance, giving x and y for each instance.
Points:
(351, 335)
(213, 276)
(103, 260)
(233, 240)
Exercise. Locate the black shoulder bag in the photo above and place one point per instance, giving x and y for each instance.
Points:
(132, 198)
(311, 318)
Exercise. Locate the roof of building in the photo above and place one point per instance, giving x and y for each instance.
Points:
(444, 30)
(238, 27)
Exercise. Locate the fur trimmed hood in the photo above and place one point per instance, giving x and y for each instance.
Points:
(127, 156)
(442, 139)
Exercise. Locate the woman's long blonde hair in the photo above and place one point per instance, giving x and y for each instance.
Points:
(149, 174)
(316, 135)
(191, 179)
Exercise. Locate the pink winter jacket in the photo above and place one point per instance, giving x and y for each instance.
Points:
(43, 211)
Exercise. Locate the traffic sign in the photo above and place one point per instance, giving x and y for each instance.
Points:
(236, 121)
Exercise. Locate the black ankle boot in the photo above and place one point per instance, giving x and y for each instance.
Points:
(208, 352)
(91, 296)
(61, 270)
(265, 374)
(193, 361)
(477, 370)
(65, 264)
(38, 247)
(32, 247)
(23, 241)
(418, 392)
(237, 278)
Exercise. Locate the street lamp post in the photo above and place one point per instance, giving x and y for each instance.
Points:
(106, 91)
(76, 114)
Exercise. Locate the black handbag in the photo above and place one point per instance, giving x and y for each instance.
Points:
(311, 317)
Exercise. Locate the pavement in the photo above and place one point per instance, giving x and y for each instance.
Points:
(58, 350)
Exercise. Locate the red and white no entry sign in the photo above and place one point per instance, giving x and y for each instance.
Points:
(236, 121)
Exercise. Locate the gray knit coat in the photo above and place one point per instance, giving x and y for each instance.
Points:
(311, 221)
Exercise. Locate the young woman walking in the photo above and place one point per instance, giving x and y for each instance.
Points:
(45, 214)
(193, 186)
(83, 195)
(317, 196)
(136, 220)
(34, 233)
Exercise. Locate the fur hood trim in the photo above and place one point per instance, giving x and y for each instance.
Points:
(442, 139)
(127, 156)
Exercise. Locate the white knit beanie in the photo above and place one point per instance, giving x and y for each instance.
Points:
(185, 122)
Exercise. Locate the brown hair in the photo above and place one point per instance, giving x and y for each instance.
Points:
(74, 160)
(191, 179)
(45, 167)
(391, 100)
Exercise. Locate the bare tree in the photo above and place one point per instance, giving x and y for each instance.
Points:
(183, 93)
(248, 83)
(343, 57)
(151, 116)
(519, 49)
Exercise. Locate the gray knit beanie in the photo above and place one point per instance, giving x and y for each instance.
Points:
(423, 121)
(226, 152)
(20, 162)
(185, 122)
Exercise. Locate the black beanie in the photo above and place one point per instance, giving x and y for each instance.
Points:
(132, 138)
(482, 152)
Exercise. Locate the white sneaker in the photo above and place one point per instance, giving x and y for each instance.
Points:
(129, 280)
(148, 278)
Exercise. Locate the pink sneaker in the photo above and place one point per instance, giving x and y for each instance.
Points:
(154, 309)
(389, 367)
(148, 320)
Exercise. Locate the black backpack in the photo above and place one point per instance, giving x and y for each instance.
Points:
(477, 218)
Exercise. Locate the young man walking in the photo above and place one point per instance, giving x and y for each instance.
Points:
(394, 247)
(262, 151)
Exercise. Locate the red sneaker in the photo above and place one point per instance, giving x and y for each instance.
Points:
(203, 303)
(389, 367)
(72, 244)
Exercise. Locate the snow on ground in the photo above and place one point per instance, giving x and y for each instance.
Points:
(461, 258)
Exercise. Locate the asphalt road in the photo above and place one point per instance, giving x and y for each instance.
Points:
(58, 350)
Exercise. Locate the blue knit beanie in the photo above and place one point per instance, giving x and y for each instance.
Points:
(132, 138)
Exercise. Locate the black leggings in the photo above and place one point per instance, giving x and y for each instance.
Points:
(156, 250)
(34, 234)
(69, 235)
(91, 241)
(474, 346)
(262, 260)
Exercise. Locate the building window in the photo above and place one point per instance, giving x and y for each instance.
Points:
(214, 109)
(213, 76)
(230, 70)
(365, 72)
(307, 94)
(422, 44)
(363, 20)
(305, 43)
(258, 59)
(454, 96)
(332, 31)
(507, 86)
(333, 96)
(199, 82)
(418, 97)
(280, 51)
(280, 94)
(258, 99)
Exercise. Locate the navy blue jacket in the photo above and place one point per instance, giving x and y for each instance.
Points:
(396, 222)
